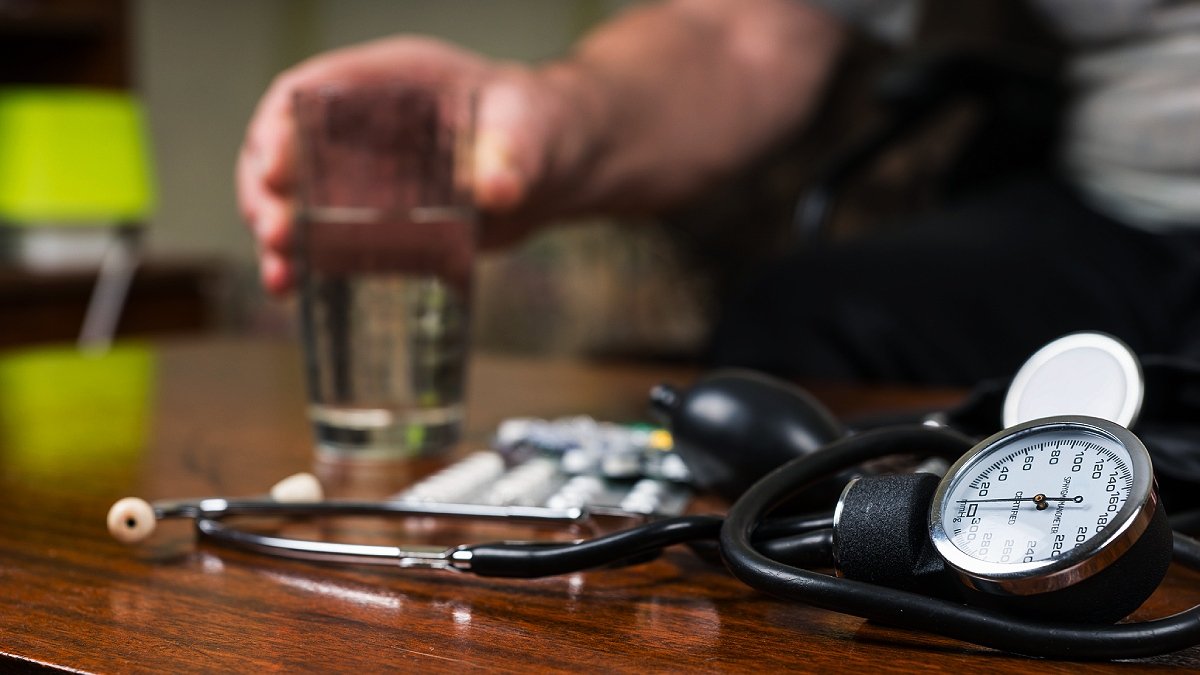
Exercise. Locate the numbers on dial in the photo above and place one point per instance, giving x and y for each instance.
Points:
(1033, 498)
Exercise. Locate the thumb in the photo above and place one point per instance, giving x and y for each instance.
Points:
(503, 148)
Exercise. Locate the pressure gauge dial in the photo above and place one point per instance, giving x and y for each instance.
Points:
(1048, 504)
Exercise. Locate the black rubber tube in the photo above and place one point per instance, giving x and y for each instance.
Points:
(919, 612)
(527, 561)
(811, 549)
(803, 540)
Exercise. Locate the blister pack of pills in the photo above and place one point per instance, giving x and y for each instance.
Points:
(573, 462)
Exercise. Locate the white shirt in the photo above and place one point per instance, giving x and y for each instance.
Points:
(1132, 141)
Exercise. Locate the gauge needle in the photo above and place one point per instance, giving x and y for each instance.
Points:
(1041, 500)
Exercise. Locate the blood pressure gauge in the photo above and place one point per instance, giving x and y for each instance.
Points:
(1063, 507)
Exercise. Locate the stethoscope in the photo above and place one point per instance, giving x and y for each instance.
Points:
(1036, 540)
(132, 520)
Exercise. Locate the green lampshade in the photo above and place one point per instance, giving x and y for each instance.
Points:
(72, 157)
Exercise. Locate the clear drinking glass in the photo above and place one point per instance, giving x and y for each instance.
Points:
(386, 240)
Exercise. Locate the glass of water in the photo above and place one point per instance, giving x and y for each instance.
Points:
(385, 246)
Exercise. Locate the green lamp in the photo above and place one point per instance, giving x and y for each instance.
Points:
(75, 183)
(72, 157)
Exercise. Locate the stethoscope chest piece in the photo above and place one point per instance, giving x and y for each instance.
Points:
(1086, 373)
(1057, 518)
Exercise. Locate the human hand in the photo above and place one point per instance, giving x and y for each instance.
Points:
(517, 116)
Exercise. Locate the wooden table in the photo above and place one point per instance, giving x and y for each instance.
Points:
(227, 418)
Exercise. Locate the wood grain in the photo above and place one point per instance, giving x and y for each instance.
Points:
(228, 418)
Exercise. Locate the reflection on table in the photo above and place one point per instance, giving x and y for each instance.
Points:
(227, 417)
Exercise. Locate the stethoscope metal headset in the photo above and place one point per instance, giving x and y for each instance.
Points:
(1037, 540)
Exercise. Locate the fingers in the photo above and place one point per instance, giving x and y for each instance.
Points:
(517, 121)
(508, 157)
(277, 272)
(264, 182)
(264, 162)
(501, 182)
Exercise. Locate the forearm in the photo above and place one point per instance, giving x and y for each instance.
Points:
(669, 98)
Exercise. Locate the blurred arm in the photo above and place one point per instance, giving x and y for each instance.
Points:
(667, 98)
(648, 110)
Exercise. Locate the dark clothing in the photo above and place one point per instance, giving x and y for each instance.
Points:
(966, 294)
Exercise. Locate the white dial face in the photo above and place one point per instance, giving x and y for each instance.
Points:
(1035, 497)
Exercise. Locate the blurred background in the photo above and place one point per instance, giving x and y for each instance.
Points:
(197, 68)
(192, 70)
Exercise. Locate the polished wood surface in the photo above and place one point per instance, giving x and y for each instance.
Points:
(228, 418)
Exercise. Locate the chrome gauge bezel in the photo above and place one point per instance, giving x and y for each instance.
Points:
(1074, 565)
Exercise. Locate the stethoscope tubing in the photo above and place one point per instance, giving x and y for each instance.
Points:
(1052, 638)
(508, 559)
(798, 539)
(219, 507)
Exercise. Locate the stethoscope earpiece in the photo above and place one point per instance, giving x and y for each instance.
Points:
(299, 487)
(131, 520)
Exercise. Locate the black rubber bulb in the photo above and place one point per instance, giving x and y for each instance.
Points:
(732, 427)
